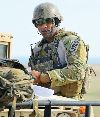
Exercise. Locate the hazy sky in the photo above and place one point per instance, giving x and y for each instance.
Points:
(81, 16)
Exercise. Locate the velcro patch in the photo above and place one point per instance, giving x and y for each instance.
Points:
(74, 45)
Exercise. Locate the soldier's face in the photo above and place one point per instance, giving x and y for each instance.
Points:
(46, 29)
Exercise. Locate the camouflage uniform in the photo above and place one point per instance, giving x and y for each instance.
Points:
(14, 82)
(15, 86)
(65, 61)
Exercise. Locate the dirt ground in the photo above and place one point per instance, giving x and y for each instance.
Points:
(94, 90)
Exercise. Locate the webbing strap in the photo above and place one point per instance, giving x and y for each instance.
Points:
(13, 108)
(36, 112)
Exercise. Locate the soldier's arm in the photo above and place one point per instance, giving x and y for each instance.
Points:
(76, 63)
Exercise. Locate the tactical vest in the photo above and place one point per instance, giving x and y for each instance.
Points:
(47, 59)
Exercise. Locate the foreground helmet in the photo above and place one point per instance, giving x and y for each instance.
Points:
(46, 10)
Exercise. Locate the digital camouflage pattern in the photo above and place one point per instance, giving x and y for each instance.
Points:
(15, 85)
(15, 82)
(69, 72)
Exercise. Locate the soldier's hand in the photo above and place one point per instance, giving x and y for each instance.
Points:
(36, 75)
(44, 78)
(40, 77)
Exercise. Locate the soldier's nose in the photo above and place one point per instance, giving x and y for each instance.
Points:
(43, 26)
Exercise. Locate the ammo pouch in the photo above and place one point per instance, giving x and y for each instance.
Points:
(70, 90)
(77, 88)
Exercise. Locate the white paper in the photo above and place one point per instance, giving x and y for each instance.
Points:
(45, 93)
(42, 91)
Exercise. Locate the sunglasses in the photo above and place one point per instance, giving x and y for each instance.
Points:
(43, 21)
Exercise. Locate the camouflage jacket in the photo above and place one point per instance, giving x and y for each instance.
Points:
(14, 82)
(64, 59)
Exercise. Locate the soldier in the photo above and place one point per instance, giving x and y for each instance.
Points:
(59, 60)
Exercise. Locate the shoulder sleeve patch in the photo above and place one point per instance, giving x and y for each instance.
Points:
(74, 46)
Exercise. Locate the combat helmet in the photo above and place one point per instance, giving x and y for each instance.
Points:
(46, 10)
